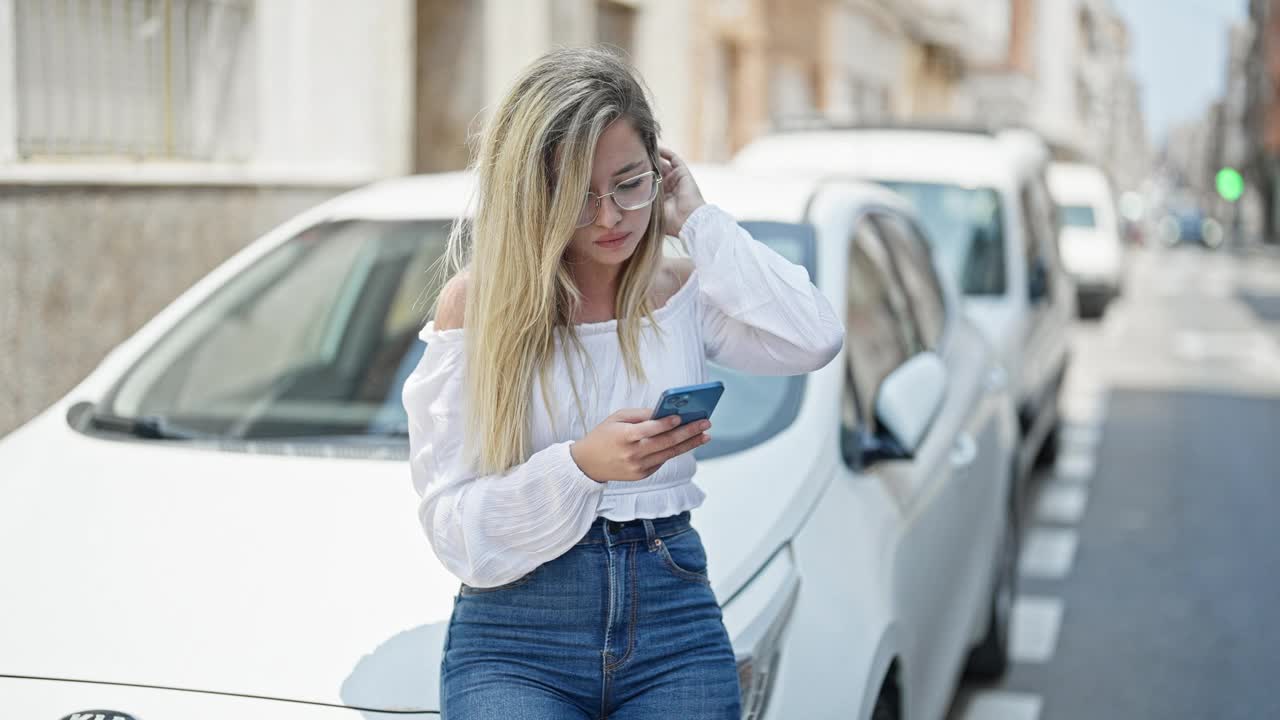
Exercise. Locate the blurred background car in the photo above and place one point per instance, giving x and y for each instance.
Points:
(1090, 242)
(988, 217)
(1189, 225)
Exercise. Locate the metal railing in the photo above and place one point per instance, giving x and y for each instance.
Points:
(133, 78)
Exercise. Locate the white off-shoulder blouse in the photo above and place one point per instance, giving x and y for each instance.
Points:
(744, 307)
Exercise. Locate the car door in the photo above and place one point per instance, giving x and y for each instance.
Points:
(1047, 332)
(975, 388)
(930, 555)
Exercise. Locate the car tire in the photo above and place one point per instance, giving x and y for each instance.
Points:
(989, 659)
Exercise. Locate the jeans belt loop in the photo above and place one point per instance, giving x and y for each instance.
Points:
(650, 535)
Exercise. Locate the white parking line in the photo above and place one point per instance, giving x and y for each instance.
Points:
(1076, 467)
(1034, 633)
(1084, 408)
(1061, 502)
(1079, 438)
(1048, 553)
(1002, 705)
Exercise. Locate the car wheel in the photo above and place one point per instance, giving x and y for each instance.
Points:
(990, 658)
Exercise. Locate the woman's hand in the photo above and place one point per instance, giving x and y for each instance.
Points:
(681, 195)
(630, 446)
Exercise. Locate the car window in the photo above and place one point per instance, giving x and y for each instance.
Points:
(874, 337)
(877, 251)
(915, 269)
(1038, 213)
(965, 228)
(313, 340)
(754, 408)
(1078, 216)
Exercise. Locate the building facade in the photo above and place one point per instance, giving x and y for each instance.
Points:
(143, 143)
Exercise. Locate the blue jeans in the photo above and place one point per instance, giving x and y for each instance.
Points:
(622, 626)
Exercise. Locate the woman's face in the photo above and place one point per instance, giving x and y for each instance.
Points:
(615, 233)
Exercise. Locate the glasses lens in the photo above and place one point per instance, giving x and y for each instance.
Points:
(587, 214)
(637, 192)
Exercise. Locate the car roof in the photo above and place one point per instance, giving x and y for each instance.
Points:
(744, 194)
(439, 196)
(941, 156)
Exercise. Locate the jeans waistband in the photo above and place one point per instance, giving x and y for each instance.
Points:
(639, 530)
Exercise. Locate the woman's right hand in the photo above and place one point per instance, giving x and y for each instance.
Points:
(630, 446)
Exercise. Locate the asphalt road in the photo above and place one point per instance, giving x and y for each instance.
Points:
(1150, 575)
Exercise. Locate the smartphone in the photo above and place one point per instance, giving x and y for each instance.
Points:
(691, 402)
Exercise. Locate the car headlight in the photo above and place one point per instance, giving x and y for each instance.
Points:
(757, 618)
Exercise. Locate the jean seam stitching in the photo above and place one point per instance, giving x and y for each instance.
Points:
(679, 572)
(522, 580)
(631, 631)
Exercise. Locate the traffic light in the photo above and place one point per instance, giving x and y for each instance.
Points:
(1230, 184)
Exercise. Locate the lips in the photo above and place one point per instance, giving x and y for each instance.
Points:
(613, 240)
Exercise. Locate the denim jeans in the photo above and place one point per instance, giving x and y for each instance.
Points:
(622, 626)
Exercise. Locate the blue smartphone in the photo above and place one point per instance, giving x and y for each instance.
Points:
(691, 402)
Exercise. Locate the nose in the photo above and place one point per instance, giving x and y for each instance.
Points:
(609, 214)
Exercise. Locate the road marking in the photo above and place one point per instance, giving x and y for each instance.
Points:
(1048, 553)
(1035, 624)
(1062, 503)
(1249, 347)
(1078, 438)
(1084, 408)
(1075, 467)
(1002, 705)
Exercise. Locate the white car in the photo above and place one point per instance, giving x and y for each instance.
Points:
(219, 521)
(1092, 248)
(982, 200)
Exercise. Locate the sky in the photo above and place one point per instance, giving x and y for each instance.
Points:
(1179, 54)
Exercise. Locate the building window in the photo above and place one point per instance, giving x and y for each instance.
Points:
(616, 25)
(132, 78)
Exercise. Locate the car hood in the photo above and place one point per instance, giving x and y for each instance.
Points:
(298, 578)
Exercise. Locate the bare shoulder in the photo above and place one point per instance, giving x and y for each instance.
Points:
(672, 276)
(452, 303)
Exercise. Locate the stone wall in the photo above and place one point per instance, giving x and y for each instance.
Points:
(82, 268)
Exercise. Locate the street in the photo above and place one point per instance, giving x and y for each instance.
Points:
(1149, 572)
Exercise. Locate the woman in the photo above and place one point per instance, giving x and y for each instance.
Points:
(546, 487)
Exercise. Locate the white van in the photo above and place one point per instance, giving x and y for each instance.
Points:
(985, 207)
(1091, 245)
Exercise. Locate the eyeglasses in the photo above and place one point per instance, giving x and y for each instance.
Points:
(630, 194)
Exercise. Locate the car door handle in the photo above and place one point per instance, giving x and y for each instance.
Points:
(997, 379)
(964, 451)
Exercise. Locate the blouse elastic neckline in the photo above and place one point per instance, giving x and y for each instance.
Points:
(675, 302)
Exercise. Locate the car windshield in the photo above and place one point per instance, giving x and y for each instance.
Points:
(964, 225)
(754, 408)
(314, 341)
(1078, 216)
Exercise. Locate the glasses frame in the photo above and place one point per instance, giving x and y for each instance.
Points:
(657, 185)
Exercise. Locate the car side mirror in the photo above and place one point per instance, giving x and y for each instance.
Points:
(906, 404)
(1038, 282)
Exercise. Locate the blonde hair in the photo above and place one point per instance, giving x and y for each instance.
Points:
(533, 168)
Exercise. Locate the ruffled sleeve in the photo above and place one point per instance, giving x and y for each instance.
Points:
(486, 529)
(761, 313)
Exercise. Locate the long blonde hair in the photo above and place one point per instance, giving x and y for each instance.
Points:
(533, 170)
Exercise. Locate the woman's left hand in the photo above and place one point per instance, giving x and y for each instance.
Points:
(680, 193)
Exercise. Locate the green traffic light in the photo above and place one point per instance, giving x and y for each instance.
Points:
(1230, 184)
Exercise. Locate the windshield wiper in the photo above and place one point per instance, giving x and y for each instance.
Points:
(150, 427)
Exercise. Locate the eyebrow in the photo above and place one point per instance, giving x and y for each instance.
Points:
(628, 168)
